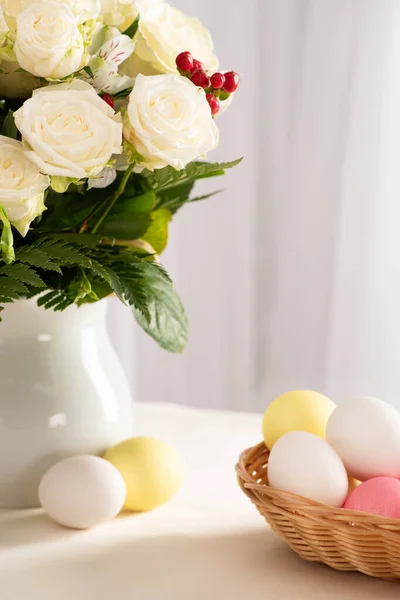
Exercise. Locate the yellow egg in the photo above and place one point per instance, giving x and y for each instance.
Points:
(353, 483)
(296, 411)
(152, 470)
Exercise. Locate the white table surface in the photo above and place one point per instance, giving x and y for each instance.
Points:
(207, 544)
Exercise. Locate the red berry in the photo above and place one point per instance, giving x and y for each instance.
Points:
(217, 81)
(184, 61)
(200, 79)
(198, 66)
(108, 99)
(231, 82)
(214, 103)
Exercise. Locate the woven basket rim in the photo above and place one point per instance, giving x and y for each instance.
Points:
(250, 485)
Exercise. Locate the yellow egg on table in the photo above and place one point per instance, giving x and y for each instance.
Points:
(152, 470)
(296, 411)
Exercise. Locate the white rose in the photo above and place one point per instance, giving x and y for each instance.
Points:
(49, 42)
(69, 131)
(164, 32)
(15, 83)
(169, 121)
(82, 9)
(22, 185)
(122, 13)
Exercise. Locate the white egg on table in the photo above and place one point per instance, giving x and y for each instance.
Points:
(365, 432)
(304, 464)
(82, 491)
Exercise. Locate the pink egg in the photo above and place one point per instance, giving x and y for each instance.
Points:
(380, 496)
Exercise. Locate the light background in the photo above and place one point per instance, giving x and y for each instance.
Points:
(291, 277)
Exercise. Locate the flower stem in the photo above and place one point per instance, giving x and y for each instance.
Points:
(118, 192)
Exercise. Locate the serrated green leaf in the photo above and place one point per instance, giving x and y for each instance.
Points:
(36, 258)
(169, 177)
(12, 287)
(168, 324)
(62, 252)
(22, 273)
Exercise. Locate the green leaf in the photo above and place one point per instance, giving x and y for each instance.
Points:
(205, 196)
(22, 273)
(62, 253)
(68, 210)
(169, 177)
(89, 71)
(157, 233)
(174, 197)
(12, 287)
(56, 299)
(36, 258)
(130, 217)
(9, 128)
(168, 324)
(132, 30)
(88, 240)
(6, 239)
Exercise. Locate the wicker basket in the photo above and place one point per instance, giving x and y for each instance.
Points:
(345, 540)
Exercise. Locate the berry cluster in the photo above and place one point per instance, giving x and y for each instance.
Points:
(218, 87)
(108, 99)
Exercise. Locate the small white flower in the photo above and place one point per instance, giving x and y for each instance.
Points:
(103, 179)
(49, 43)
(163, 33)
(69, 131)
(111, 50)
(22, 185)
(169, 122)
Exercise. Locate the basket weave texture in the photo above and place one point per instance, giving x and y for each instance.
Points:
(343, 539)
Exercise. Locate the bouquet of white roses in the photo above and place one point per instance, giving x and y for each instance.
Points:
(107, 110)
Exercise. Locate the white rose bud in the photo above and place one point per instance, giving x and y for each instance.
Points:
(82, 9)
(164, 32)
(169, 121)
(69, 131)
(22, 185)
(49, 43)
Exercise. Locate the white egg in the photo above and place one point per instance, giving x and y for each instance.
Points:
(306, 465)
(365, 432)
(82, 491)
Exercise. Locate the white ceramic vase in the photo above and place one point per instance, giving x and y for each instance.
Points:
(62, 392)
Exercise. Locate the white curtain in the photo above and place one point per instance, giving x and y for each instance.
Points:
(291, 278)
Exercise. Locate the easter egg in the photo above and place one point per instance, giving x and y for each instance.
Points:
(365, 432)
(152, 470)
(306, 465)
(296, 411)
(353, 483)
(82, 491)
(380, 496)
